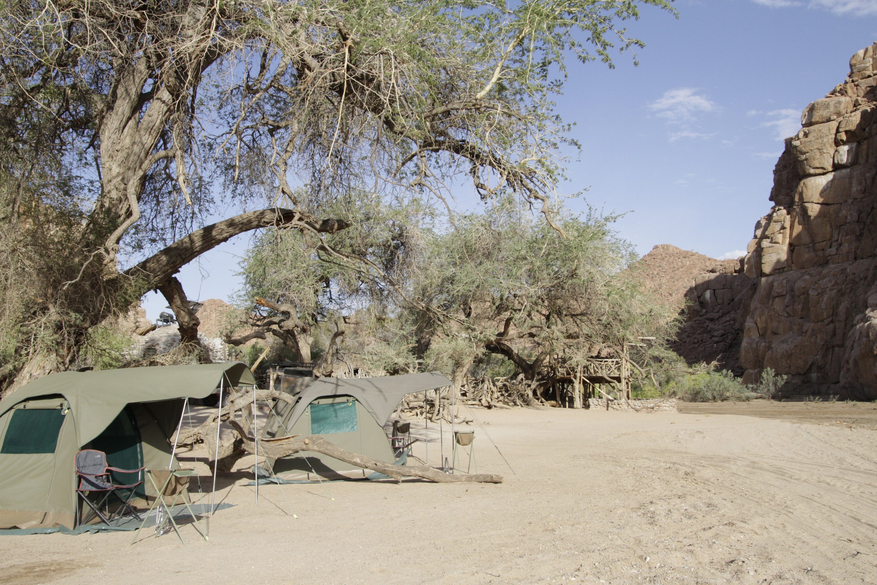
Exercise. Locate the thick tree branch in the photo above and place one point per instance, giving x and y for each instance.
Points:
(157, 269)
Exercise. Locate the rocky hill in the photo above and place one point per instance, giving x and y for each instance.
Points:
(667, 272)
(708, 293)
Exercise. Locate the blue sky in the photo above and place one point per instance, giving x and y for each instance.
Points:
(685, 143)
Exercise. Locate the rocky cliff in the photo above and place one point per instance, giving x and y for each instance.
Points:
(813, 259)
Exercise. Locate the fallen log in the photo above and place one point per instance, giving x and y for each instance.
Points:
(277, 448)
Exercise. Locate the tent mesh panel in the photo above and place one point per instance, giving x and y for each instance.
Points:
(33, 431)
(338, 417)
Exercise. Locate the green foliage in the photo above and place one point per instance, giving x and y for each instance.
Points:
(379, 345)
(646, 392)
(662, 367)
(710, 386)
(450, 354)
(105, 347)
(252, 353)
(489, 365)
(118, 123)
(770, 383)
(51, 296)
(340, 272)
(513, 285)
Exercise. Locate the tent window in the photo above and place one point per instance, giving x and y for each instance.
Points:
(33, 431)
(337, 417)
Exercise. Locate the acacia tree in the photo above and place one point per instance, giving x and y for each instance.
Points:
(295, 284)
(506, 284)
(149, 108)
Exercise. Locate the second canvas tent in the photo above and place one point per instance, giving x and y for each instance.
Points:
(351, 413)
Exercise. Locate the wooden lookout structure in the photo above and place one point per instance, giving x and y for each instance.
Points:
(585, 377)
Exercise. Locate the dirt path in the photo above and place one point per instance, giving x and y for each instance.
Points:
(596, 496)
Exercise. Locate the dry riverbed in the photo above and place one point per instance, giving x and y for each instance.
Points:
(730, 493)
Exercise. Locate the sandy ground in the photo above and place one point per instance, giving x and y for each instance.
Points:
(595, 496)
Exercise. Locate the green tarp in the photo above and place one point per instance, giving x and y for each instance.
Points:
(96, 398)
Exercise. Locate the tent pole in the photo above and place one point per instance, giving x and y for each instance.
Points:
(216, 453)
(256, 442)
(453, 428)
(170, 464)
(426, 419)
(438, 393)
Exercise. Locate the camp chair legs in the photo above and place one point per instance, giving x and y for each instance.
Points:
(400, 438)
(162, 504)
(105, 517)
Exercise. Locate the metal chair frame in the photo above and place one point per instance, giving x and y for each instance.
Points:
(161, 502)
(400, 437)
(96, 476)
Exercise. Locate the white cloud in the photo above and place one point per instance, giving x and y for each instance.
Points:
(786, 122)
(842, 7)
(680, 105)
(778, 3)
(733, 255)
(851, 7)
(768, 155)
(674, 136)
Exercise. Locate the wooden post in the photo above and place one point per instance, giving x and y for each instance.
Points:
(625, 373)
(579, 387)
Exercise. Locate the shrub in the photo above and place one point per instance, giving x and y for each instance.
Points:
(711, 387)
(770, 384)
(105, 347)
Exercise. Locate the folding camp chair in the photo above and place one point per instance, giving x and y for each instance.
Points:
(94, 475)
(400, 439)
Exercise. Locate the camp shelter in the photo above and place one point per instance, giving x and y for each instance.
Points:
(351, 413)
(130, 414)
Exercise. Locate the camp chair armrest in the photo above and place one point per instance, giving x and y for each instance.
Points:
(139, 469)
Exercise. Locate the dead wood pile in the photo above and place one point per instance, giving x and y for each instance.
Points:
(499, 392)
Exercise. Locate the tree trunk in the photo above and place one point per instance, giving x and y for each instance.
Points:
(287, 446)
(187, 321)
(530, 370)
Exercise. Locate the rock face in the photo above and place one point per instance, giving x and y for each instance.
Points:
(216, 317)
(717, 304)
(813, 315)
(164, 339)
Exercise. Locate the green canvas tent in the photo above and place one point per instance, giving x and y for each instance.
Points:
(130, 414)
(351, 413)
